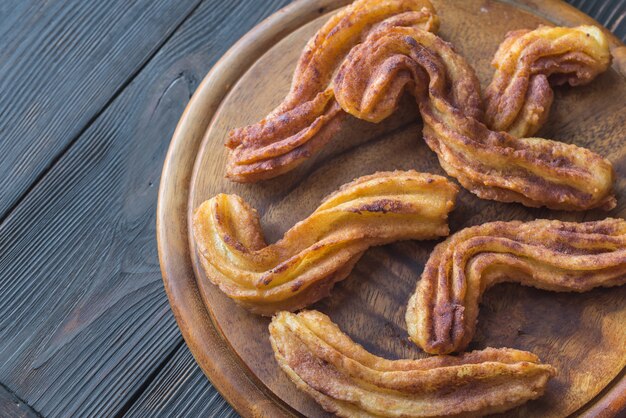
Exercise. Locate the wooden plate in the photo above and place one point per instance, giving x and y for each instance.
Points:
(583, 335)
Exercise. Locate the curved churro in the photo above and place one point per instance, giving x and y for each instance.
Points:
(317, 252)
(492, 165)
(551, 255)
(347, 380)
(527, 64)
(309, 116)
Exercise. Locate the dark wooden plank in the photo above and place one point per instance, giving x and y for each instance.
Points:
(181, 389)
(84, 321)
(12, 406)
(61, 62)
(11, 12)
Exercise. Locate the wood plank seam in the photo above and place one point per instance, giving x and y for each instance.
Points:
(80, 323)
(114, 96)
(181, 378)
(13, 394)
(151, 377)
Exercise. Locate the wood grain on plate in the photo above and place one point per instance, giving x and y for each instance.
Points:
(580, 334)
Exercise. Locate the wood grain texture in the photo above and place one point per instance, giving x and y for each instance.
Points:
(84, 322)
(181, 389)
(55, 269)
(12, 406)
(60, 64)
(370, 306)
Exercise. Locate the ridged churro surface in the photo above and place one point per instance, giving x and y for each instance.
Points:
(492, 165)
(349, 381)
(317, 252)
(529, 62)
(552, 255)
(376, 50)
(309, 116)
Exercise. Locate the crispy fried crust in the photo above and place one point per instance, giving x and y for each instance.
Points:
(388, 50)
(347, 380)
(309, 116)
(317, 252)
(529, 62)
(493, 165)
(551, 255)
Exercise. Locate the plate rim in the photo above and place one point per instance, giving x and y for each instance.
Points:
(246, 394)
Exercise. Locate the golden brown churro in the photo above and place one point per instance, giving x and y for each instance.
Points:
(551, 255)
(309, 116)
(317, 252)
(528, 62)
(360, 63)
(396, 53)
(349, 381)
(492, 165)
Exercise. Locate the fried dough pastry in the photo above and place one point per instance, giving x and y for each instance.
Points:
(552, 255)
(528, 62)
(309, 116)
(492, 165)
(321, 250)
(347, 380)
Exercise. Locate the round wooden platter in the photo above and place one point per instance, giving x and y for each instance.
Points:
(582, 335)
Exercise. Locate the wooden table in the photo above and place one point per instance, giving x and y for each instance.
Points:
(90, 94)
